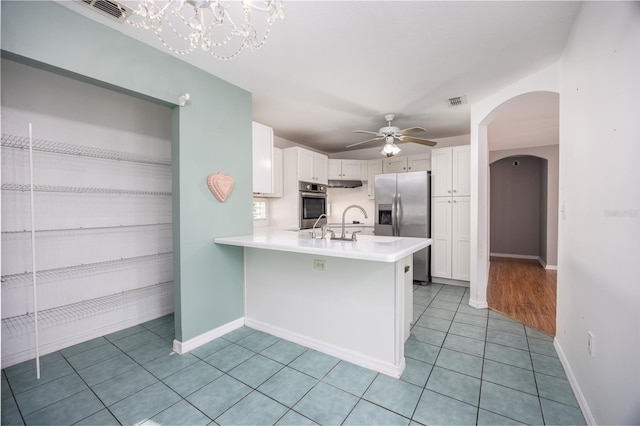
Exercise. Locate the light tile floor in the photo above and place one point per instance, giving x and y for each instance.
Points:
(464, 366)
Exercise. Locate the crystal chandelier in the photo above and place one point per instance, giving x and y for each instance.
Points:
(223, 29)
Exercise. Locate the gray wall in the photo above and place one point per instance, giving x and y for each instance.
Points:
(515, 206)
(549, 153)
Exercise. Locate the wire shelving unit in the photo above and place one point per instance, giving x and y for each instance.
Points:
(86, 270)
(22, 142)
(22, 324)
(80, 190)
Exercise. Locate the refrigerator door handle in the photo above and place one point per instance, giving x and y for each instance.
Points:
(398, 213)
(394, 214)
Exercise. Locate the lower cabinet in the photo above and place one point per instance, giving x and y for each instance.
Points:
(450, 231)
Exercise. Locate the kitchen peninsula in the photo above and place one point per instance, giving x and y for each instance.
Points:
(352, 300)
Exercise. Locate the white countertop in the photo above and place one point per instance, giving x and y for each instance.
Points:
(368, 247)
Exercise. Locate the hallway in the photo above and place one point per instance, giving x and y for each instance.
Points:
(523, 290)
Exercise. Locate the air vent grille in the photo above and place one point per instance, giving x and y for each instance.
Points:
(457, 101)
(109, 8)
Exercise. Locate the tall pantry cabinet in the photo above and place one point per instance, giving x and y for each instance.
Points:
(450, 213)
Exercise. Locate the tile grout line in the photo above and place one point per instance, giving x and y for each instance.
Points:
(436, 358)
(484, 353)
(535, 380)
(13, 396)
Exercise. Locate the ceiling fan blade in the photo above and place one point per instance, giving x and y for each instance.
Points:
(417, 140)
(410, 130)
(368, 140)
(367, 132)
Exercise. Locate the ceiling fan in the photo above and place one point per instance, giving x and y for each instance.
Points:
(390, 133)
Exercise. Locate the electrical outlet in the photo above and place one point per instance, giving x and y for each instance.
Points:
(320, 264)
(591, 344)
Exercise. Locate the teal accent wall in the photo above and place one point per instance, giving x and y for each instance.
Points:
(210, 135)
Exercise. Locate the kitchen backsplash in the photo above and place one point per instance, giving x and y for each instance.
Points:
(341, 198)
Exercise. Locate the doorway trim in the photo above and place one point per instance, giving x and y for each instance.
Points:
(482, 113)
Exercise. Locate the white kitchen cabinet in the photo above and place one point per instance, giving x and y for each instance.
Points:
(262, 138)
(374, 167)
(441, 208)
(311, 166)
(364, 171)
(450, 213)
(278, 187)
(394, 165)
(419, 163)
(343, 169)
(450, 171)
(451, 235)
(460, 238)
(411, 163)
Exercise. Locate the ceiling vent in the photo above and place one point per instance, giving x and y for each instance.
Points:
(112, 9)
(457, 101)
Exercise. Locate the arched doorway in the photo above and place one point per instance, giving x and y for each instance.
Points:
(521, 121)
(519, 285)
(483, 113)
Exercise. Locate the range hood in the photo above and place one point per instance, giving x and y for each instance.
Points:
(344, 183)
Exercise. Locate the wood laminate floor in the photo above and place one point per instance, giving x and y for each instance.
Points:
(523, 290)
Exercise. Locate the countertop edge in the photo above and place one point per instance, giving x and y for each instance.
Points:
(248, 241)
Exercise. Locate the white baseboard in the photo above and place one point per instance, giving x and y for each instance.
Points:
(449, 281)
(545, 266)
(344, 354)
(478, 305)
(584, 406)
(189, 345)
(515, 256)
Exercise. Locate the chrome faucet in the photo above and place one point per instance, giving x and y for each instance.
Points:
(342, 236)
(313, 230)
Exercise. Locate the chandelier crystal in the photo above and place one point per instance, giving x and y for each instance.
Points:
(223, 29)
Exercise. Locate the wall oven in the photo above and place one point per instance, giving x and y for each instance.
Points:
(313, 204)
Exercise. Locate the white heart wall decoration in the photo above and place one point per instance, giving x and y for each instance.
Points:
(220, 185)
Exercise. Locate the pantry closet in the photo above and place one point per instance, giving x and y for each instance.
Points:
(102, 211)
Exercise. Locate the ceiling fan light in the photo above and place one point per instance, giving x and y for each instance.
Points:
(390, 149)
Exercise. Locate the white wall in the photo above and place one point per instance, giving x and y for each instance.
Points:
(599, 233)
(91, 248)
(341, 198)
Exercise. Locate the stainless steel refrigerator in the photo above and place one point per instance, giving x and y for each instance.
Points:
(402, 209)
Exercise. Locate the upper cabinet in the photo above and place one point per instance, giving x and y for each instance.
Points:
(278, 188)
(374, 167)
(411, 163)
(450, 171)
(394, 165)
(310, 166)
(344, 169)
(262, 158)
(419, 163)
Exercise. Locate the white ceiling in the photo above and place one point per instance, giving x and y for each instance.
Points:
(334, 66)
(525, 121)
